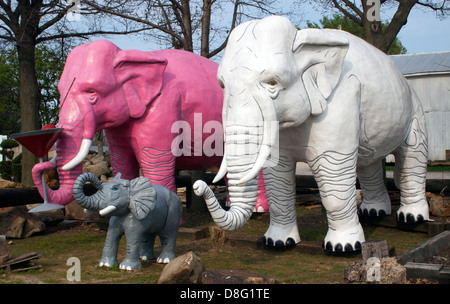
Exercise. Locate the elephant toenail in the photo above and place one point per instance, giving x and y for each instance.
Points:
(329, 246)
(365, 212)
(372, 212)
(381, 213)
(410, 218)
(348, 247)
(269, 242)
(279, 243)
(401, 217)
(358, 246)
(420, 218)
(290, 242)
(338, 247)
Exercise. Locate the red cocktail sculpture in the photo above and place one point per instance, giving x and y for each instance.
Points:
(39, 143)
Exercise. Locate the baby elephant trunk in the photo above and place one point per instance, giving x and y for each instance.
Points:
(91, 202)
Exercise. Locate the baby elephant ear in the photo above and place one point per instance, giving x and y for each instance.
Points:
(142, 197)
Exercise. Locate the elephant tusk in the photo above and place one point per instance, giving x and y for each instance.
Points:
(269, 142)
(222, 171)
(107, 210)
(81, 155)
(259, 163)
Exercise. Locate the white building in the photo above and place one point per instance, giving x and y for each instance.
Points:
(429, 75)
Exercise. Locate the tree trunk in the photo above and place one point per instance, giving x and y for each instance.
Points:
(383, 39)
(186, 25)
(29, 100)
(206, 26)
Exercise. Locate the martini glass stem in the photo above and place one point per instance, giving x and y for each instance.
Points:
(44, 190)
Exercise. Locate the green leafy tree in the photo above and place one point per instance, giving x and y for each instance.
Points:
(25, 24)
(346, 24)
(9, 93)
(49, 66)
(6, 164)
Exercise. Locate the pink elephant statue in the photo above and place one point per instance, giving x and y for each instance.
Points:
(137, 98)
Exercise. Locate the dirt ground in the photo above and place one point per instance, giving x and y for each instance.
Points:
(85, 242)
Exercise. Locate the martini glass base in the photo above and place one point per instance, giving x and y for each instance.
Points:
(46, 207)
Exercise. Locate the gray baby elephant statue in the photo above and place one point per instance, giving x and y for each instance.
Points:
(138, 209)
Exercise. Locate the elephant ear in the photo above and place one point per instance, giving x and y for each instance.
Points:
(141, 75)
(320, 57)
(142, 197)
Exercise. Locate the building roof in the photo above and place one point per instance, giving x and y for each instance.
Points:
(423, 63)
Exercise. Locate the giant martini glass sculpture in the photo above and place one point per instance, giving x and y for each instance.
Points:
(39, 143)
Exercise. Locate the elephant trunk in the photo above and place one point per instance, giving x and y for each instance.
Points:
(72, 144)
(242, 198)
(91, 202)
(247, 149)
(241, 156)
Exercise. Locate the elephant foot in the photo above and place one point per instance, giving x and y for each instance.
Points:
(281, 236)
(108, 262)
(165, 258)
(374, 209)
(147, 257)
(346, 240)
(129, 264)
(413, 213)
(261, 205)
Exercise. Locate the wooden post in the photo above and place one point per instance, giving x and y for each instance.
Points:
(378, 249)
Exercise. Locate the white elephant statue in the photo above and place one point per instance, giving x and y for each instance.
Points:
(340, 105)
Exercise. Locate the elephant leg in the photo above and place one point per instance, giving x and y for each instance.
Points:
(158, 166)
(168, 243)
(376, 201)
(132, 261)
(123, 158)
(280, 190)
(113, 236)
(262, 204)
(410, 174)
(147, 244)
(335, 174)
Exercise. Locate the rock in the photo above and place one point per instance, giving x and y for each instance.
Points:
(392, 272)
(75, 211)
(51, 217)
(382, 271)
(235, 277)
(5, 253)
(97, 159)
(16, 222)
(185, 269)
(98, 169)
(51, 178)
(353, 272)
(10, 184)
(439, 204)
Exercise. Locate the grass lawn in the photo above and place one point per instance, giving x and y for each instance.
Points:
(289, 266)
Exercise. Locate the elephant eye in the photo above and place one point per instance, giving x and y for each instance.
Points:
(91, 91)
(272, 82)
(114, 188)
